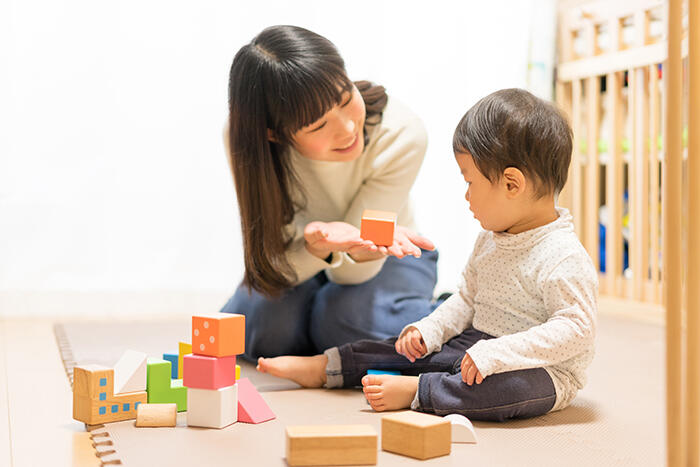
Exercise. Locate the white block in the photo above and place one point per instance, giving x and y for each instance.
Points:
(130, 372)
(212, 408)
(462, 429)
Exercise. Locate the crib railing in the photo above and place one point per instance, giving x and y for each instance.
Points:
(628, 75)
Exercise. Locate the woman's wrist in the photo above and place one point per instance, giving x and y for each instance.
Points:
(320, 253)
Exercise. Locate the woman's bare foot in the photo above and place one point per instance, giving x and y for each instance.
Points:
(309, 372)
(389, 392)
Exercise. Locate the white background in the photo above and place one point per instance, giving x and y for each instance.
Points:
(113, 175)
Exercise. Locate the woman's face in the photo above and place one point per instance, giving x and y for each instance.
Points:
(338, 135)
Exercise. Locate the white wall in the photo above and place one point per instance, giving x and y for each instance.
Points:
(112, 171)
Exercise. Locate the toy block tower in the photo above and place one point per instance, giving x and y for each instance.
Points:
(378, 226)
(209, 372)
(94, 399)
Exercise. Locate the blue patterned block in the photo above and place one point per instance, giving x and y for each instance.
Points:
(103, 410)
(173, 359)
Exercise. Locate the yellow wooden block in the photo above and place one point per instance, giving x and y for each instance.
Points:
(114, 409)
(238, 372)
(183, 349)
(331, 445)
(416, 434)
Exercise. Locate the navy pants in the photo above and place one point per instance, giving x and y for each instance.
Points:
(514, 394)
(319, 314)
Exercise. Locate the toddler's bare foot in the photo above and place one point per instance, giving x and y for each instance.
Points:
(309, 372)
(389, 392)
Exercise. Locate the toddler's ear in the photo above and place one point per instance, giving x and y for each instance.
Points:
(514, 181)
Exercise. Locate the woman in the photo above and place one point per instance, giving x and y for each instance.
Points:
(309, 151)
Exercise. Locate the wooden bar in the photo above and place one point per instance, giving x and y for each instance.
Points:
(592, 199)
(610, 62)
(576, 163)
(563, 98)
(639, 186)
(654, 123)
(672, 239)
(693, 277)
(614, 187)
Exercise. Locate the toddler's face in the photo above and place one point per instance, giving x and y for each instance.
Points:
(487, 201)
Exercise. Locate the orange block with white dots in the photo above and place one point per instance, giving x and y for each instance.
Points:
(378, 226)
(219, 335)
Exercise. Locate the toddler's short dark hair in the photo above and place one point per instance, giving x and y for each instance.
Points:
(513, 128)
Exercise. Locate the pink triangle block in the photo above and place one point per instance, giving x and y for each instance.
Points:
(252, 408)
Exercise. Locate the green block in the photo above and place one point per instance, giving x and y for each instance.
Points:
(161, 389)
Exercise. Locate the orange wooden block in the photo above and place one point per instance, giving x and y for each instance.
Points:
(378, 226)
(220, 335)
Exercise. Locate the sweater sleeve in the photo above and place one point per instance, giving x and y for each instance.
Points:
(453, 316)
(400, 153)
(569, 294)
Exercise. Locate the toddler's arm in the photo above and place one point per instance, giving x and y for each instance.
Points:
(569, 295)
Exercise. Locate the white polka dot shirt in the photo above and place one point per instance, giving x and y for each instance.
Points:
(536, 292)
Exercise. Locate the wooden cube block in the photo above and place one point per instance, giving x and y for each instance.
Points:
(204, 372)
(378, 226)
(130, 372)
(183, 349)
(238, 372)
(161, 388)
(212, 408)
(219, 335)
(93, 382)
(156, 415)
(252, 408)
(416, 434)
(331, 445)
(174, 360)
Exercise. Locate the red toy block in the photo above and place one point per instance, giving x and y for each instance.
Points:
(378, 226)
(252, 408)
(203, 372)
(220, 335)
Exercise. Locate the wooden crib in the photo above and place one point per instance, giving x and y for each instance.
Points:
(627, 74)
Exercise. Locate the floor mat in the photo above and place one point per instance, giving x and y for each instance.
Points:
(617, 420)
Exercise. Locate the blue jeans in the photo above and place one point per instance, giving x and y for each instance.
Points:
(513, 394)
(319, 314)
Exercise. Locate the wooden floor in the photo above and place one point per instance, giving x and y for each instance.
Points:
(622, 405)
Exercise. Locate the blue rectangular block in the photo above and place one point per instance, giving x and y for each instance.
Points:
(383, 372)
(173, 359)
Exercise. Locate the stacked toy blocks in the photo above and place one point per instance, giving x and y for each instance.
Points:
(161, 388)
(378, 226)
(209, 372)
(102, 394)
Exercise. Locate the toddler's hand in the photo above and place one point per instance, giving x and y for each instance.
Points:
(470, 373)
(411, 345)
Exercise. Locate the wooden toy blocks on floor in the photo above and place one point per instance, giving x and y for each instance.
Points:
(416, 434)
(94, 400)
(218, 335)
(162, 389)
(204, 372)
(130, 372)
(252, 408)
(212, 408)
(156, 415)
(331, 445)
(378, 226)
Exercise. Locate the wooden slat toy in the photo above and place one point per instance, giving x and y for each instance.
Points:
(331, 445)
(416, 434)
(156, 415)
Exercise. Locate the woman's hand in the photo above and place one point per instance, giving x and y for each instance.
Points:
(406, 242)
(470, 373)
(323, 238)
(411, 344)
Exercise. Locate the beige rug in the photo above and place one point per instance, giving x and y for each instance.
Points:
(617, 420)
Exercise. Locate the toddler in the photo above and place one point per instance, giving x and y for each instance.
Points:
(516, 340)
